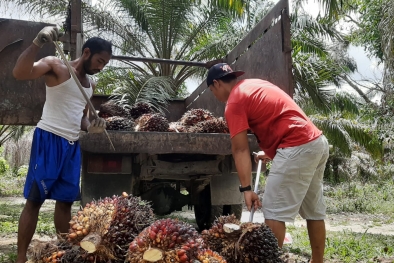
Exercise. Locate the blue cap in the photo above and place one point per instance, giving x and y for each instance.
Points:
(219, 71)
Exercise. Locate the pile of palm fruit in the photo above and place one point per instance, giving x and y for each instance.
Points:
(246, 242)
(124, 229)
(141, 117)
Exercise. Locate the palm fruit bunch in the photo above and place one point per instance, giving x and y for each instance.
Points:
(132, 215)
(214, 125)
(194, 116)
(220, 241)
(177, 127)
(110, 109)
(257, 244)
(45, 252)
(139, 109)
(209, 256)
(166, 240)
(152, 122)
(242, 243)
(77, 255)
(95, 216)
(119, 123)
(106, 227)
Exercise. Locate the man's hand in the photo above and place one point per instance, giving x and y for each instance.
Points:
(47, 35)
(251, 198)
(97, 126)
(261, 155)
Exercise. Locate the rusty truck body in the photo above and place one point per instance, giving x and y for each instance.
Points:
(158, 165)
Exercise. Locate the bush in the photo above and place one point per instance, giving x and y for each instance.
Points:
(22, 171)
(4, 166)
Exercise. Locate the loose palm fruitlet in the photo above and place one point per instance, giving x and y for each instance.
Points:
(139, 109)
(194, 116)
(119, 123)
(54, 258)
(152, 122)
(209, 256)
(166, 241)
(177, 127)
(214, 125)
(110, 109)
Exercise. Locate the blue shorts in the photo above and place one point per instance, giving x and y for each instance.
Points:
(54, 169)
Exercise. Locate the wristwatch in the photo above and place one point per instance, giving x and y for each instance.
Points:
(246, 188)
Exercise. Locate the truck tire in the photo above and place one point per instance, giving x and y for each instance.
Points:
(205, 213)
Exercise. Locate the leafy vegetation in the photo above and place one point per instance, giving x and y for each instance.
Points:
(344, 246)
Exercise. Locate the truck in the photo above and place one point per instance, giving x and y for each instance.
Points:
(168, 169)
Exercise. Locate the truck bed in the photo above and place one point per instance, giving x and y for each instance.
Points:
(161, 142)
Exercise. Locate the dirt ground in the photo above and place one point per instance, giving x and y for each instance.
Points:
(373, 224)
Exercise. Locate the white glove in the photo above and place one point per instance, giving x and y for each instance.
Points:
(97, 126)
(46, 35)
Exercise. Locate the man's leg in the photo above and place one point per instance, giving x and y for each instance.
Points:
(278, 228)
(317, 238)
(62, 217)
(26, 228)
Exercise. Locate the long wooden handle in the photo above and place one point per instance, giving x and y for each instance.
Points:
(72, 73)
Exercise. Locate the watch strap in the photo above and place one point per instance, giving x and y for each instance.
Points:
(246, 188)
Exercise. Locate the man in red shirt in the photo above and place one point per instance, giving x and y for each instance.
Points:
(297, 148)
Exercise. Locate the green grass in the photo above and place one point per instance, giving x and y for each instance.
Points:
(345, 246)
(355, 197)
(9, 256)
(10, 217)
(11, 185)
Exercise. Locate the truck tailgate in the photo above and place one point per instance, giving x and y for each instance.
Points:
(161, 143)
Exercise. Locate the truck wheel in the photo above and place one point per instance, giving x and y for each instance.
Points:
(206, 213)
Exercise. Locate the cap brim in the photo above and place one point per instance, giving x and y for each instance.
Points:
(238, 73)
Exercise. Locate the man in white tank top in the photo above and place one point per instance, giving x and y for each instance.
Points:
(54, 169)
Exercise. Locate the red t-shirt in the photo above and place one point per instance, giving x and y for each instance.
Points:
(271, 114)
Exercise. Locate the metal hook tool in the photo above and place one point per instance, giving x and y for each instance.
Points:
(256, 186)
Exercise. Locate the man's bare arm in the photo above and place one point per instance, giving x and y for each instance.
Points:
(26, 68)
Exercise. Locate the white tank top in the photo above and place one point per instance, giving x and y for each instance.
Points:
(63, 109)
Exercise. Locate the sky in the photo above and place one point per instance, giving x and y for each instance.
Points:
(368, 68)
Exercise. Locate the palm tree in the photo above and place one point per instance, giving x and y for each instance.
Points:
(349, 136)
(345, 130)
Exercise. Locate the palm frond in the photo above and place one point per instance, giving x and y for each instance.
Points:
(344, 103)
(11, 132)
(155, 91)
(334, 132)
(315, 27)
(364, 138)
